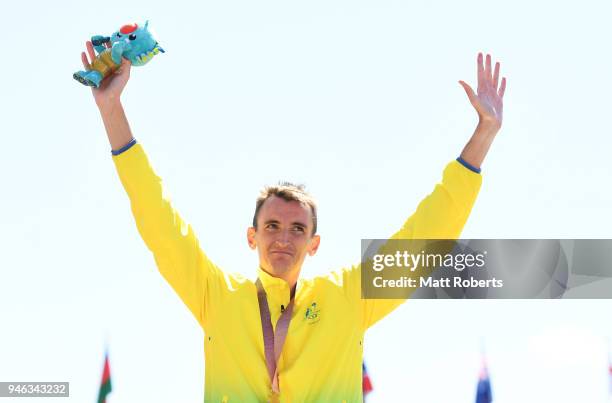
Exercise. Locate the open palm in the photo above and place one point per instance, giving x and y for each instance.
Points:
(488, 101)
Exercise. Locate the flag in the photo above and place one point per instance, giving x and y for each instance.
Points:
(105, 385)
(366, 383)
(483, 391)
(610, 374)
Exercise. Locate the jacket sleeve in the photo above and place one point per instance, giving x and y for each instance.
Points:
(440, 215)
(173, 242)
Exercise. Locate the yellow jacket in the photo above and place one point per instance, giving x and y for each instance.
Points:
(322, 356)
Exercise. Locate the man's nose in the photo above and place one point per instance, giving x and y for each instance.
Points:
(283, 238)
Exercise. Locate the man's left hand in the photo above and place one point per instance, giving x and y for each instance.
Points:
(488, 101)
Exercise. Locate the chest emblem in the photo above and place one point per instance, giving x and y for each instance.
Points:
(313, 314)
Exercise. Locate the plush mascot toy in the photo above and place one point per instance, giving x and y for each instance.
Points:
(132, 41)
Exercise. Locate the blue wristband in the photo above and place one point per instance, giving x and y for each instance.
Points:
(468, 166)
(124, 148)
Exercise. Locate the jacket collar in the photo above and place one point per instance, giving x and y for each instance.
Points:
(277, 289)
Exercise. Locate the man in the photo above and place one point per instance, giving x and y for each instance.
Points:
(284, 338)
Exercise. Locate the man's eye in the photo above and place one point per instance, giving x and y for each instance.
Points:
(298, 229)
(271, 226)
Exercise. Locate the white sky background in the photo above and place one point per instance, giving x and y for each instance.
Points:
(360, 101)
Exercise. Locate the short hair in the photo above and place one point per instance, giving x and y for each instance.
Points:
(289, 192)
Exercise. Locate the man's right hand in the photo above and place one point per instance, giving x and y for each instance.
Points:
(108, 99)
(109, 93)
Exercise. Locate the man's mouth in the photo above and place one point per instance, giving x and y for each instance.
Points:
(281, 252)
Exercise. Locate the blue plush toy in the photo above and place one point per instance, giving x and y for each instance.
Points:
(132, 42)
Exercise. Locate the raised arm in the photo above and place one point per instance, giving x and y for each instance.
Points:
(443, 213)
(172, 241)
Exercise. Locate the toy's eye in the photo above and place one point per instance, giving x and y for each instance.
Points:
(132, 37)
(118, 35)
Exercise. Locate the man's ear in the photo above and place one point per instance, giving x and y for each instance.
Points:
(251, 237)
(314, 245)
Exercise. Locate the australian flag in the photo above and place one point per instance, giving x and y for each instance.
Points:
(483, 391)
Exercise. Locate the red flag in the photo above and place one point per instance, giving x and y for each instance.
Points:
(105, 385)
(366, 383)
